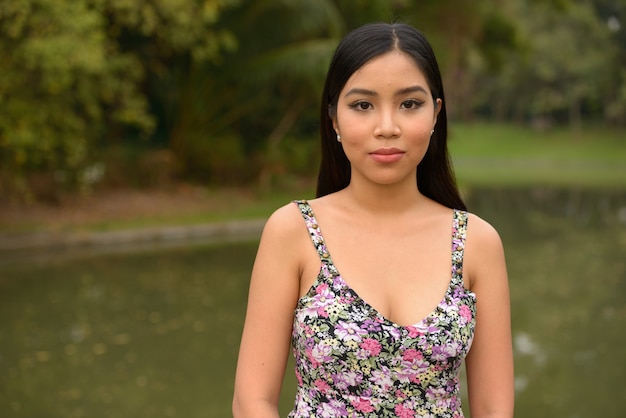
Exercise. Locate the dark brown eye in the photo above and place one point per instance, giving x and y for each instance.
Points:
(361, 106)
(411, 104)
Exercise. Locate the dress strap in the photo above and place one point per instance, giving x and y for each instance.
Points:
(459, 231)
(314, 230)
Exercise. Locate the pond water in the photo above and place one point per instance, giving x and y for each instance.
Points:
(155, 333)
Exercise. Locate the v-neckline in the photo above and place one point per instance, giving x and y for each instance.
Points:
(326, 259)
(346, 286)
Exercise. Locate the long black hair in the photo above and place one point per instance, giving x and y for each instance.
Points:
(435, 177)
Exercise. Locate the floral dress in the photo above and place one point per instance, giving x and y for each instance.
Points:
(353, 362)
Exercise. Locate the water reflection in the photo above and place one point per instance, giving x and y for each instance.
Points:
(144, 335)
(155, 333)
(566, 256)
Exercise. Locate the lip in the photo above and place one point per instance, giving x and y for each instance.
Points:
(387, 155)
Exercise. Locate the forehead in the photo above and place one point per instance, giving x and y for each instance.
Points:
(391, 68)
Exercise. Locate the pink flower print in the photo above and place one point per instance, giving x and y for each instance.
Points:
(466, 313)
(323, 287)
(352, 361)
(312, 360)
(324, 297)
(413, 331)
(446, 351)
(347, 379)
(348, 331)
(411, 367)
(427, 329)
(321, 353)
(362, 405)
(332, 409)
(302, 406)
(325, 410)
(404, 412)
(324, 270)
(353, 378)
(322, 312)
(372, 346)
(382, 378)
(438, 396)
(412, 354)
(321, 385)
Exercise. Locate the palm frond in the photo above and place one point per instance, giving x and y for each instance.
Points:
(305, 61)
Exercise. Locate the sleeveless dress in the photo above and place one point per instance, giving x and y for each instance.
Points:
(353, 362)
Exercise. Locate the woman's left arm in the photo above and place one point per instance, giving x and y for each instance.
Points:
(489, 363)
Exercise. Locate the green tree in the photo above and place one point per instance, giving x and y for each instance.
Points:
(286, 68)
(566, 67)
(269, 88)
(572, 62)
(614, 14)
(77, 74)
(285, 48)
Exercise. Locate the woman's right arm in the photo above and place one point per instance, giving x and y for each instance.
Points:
(265, 342)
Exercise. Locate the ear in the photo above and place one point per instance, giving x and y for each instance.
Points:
(335, 124)
(438, 105)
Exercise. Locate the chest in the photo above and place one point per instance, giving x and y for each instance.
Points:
(402, 272)
(333, 323)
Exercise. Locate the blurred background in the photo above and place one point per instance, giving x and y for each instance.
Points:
(120, 119)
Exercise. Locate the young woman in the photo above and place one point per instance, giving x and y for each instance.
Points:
(383, 284)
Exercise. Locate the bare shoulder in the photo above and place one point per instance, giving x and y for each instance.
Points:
(279, 260)
(284, 222)
(285, 232)
(489, 364)
(481, 232)
(484, 252)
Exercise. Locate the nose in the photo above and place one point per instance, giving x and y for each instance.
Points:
(387, 126)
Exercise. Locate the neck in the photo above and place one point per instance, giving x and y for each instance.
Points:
(384, 199)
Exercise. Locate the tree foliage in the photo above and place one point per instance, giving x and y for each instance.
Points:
(228, 90)
(566, 66)
(75, 75)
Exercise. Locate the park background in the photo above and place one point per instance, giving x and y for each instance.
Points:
(143, 142)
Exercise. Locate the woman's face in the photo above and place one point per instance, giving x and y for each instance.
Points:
(385, 115)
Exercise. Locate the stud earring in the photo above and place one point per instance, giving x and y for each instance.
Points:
(432, 132)
(338, 138)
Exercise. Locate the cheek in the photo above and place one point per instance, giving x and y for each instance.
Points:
(352, 127)
(419, 132)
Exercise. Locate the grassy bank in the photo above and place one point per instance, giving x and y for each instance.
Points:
(484, 155)
(505, 155)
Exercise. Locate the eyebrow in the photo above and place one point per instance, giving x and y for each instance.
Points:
(401, 92)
